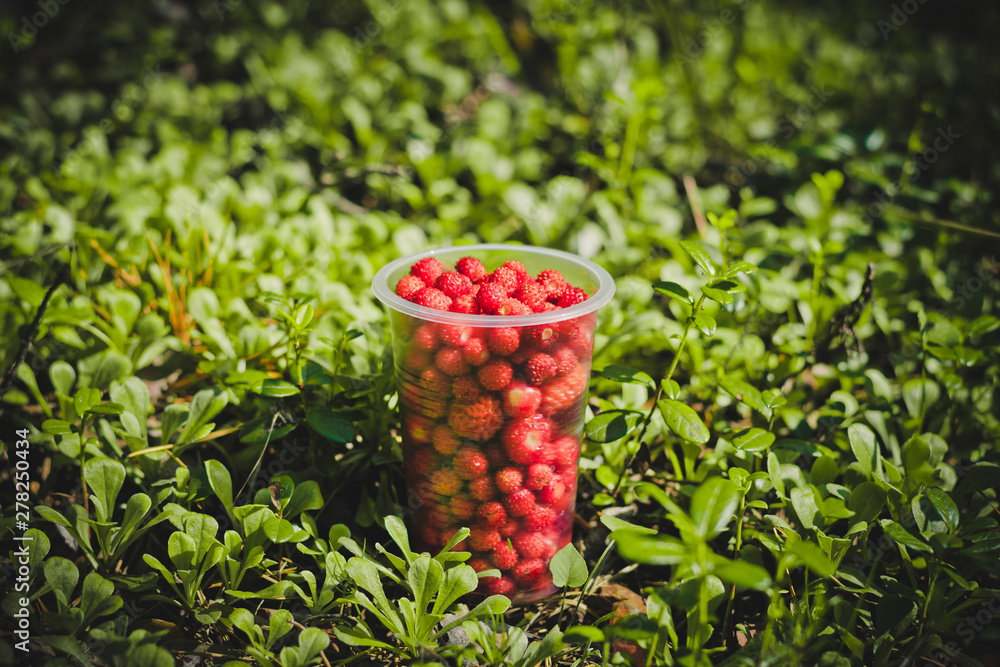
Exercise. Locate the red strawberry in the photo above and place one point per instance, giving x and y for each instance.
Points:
(466, 304)
(453, 284)
(482, 489)
(496, 456)
(483, 538)
(454, 335)
(444, 439)
(425, 337)
(462, 508)
(553, 282)
(543, 336)
(435, 382)
(568, 330)
(565, 360)
(570, 297)
(529, 572)
(524, 438)
(503, 340)
(408, 286)
(430, 535)
(422, 462)
(430, 297)
(495, 375)
(541, 516)
(518, 269)
(439, 518)
(513, 307)
(504, 556)
(509, 480)
(418, 428)
(466, 389)
(490, 297)
(416, 360)
(507, 277)
(475, 352)
(540, 367)
(445, 482)
(562, 452)
(533, 295)
(521, 399)
(449, 360)
(510, 529)
(498, 585)
(472, 268)
(428, 269)
(533, 545)
(539, 475)
(520, 502)
(553, 492)
(470, 463)
(480, 565)
(476, 420)
(562, 392)
(492, 514)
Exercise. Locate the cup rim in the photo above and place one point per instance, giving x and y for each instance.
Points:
(604, 293)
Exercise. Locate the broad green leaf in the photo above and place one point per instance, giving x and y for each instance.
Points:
(57, 427)
(458, 581)
(330, 425)
(113, 366)
(134, 395)
(397, 531)
(352, 636)
(741, 573)
(723, 297)
(612, 425)
(174, 416)
(811, 556)
(699, 255)
(105, 478)
(312, 641)
(867, 501)
(613, 523)
(713, 506)
(280, 624)
(705, 323)
(568, 567)
(903, 537)
(62, 376)
(864, 446)
(305, 498)
(945, 506)
(258, 431)
(206, 404)
(275, 388)
(61, 574)
(683, 421)
(424, 577)
(221, 482)
(583, 634)
(737, 268)
(745, 392)
(919, 394)
(97, 598)
(673, 290)
(107, 409)
(804, 502)
(625, 374)
(753, 440)
(650, 549)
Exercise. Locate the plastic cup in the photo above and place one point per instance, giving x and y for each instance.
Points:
(498, 457)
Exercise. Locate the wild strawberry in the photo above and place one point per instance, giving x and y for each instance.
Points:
(465, 304)
(553, 282)
(475, 352)
(423, 401)
(543, 336)
(418, 428)
(416, 360)
(510, 529)
(482, 489)
(506, 277)
(509, 480)
(462, 508)
(495, 375)
(513, 307)
(504, 556)
(539, 475)
(425, 337)
(430, 297)
(480, 564)
(435, 382)
(429, 535)
(449, 360)
(570, 297)
(540, 516)
(562, 392)
(529, 572)
(477, 420)
(428, 269)
(445, 482)
(470, 463)
(440, 518)
(520, 502)
(562, 452)
(498, 585)
(568, 330)
(408, 286)
(553, 492)
(496, 456)
(533, 545)
(503, 340)
(521, 399)
(454, 335)
(565, 360)
(582, 345)
(422, 461)
(466, 389)
(492, 514)
(540, 367)
(483, 538)
(471, 268)
(453, 284)
(518, 269)
(524, 438)
(490, 297)
(531, 294)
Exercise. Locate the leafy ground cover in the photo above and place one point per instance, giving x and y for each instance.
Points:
(793, 424)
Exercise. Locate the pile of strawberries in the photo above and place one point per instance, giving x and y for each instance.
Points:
(492, 417)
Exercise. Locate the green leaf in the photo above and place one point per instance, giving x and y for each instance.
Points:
(741, 573)
(903, 537)
(626, 375)
(275, 388)
(57, 427)
(738, 267)
(397, 531)
(864, 446)
(568, 567)
(97, 598)
(613, 523)
(867, 501)
(61, 574)
(919, 394)
(458, 581)
(673, 290)
(811, 556)
(221, 482)
(699, 255)
(746, 392)
(134, 395)
(107, 409)
(612, 425)
(723, 297)
(62, 376)
(174, 416)
(713, 506)
(945, 506)
(683, 421)
(753, 440)
(583, 634)
(425, 577)
(650, 549)
(705, 323)
(206, 404)
(256, 432)
(804, 502)
(105, 478)
(306, 497)
(312, 641)
(330, 425)
(303, 315)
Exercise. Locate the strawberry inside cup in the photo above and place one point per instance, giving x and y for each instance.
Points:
(493, 346)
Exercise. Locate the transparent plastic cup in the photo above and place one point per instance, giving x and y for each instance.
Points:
(499, 460)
